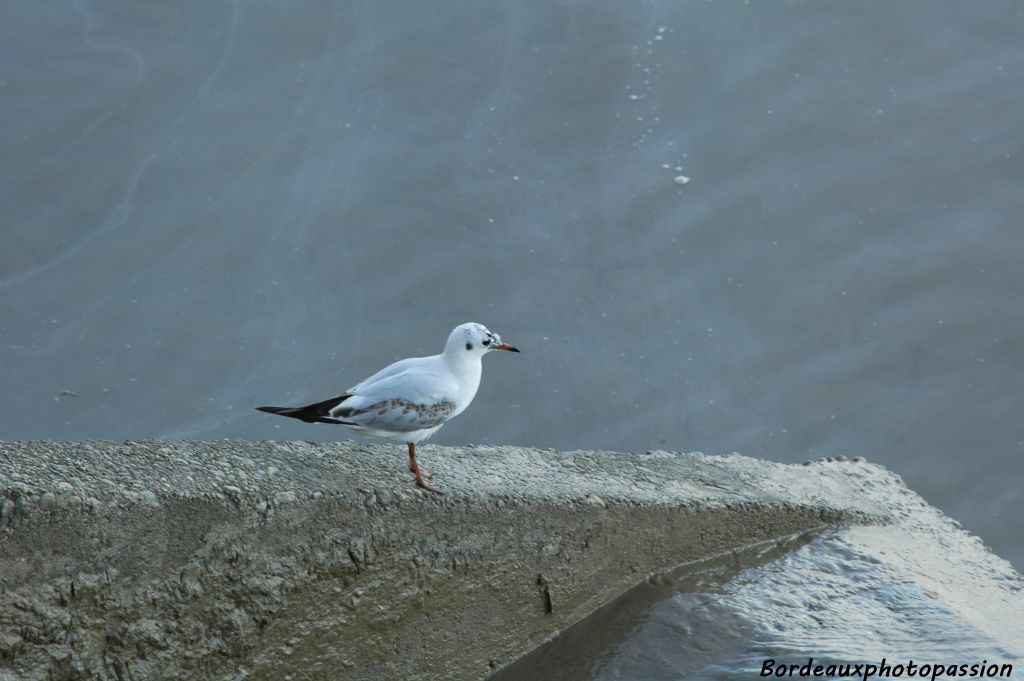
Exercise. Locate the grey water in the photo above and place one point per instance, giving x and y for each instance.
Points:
(209, 206)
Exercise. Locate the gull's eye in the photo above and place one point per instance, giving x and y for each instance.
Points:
(487, 341)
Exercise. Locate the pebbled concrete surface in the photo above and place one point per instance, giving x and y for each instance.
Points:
(290, 560)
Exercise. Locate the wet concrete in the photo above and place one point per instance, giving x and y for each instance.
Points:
(290, 560)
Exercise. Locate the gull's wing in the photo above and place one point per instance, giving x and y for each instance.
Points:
(416, 396)
(402, 365)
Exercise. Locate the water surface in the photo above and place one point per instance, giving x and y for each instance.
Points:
(212, 206)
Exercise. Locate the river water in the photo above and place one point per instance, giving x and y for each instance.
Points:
(212, 206)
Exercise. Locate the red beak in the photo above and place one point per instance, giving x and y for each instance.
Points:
(506, 346)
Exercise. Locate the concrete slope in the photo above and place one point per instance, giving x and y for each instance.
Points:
(288, 560)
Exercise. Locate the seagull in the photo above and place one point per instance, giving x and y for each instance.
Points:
(411, 399)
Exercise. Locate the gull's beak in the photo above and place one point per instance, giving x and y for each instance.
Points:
(506, 346)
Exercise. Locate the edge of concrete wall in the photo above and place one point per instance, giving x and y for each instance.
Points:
(281, 560)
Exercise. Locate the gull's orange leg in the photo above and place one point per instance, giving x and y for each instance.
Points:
(416, 470)
(413, 466)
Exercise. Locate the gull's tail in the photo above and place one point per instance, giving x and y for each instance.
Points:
(320, 412)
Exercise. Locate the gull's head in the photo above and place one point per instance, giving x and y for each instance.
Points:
(474, 339)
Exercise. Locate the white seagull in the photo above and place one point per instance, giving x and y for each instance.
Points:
(411, 399)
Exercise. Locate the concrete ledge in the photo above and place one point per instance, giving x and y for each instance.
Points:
(267, 560)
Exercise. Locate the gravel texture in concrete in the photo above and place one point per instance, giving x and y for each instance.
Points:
(289, 560)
